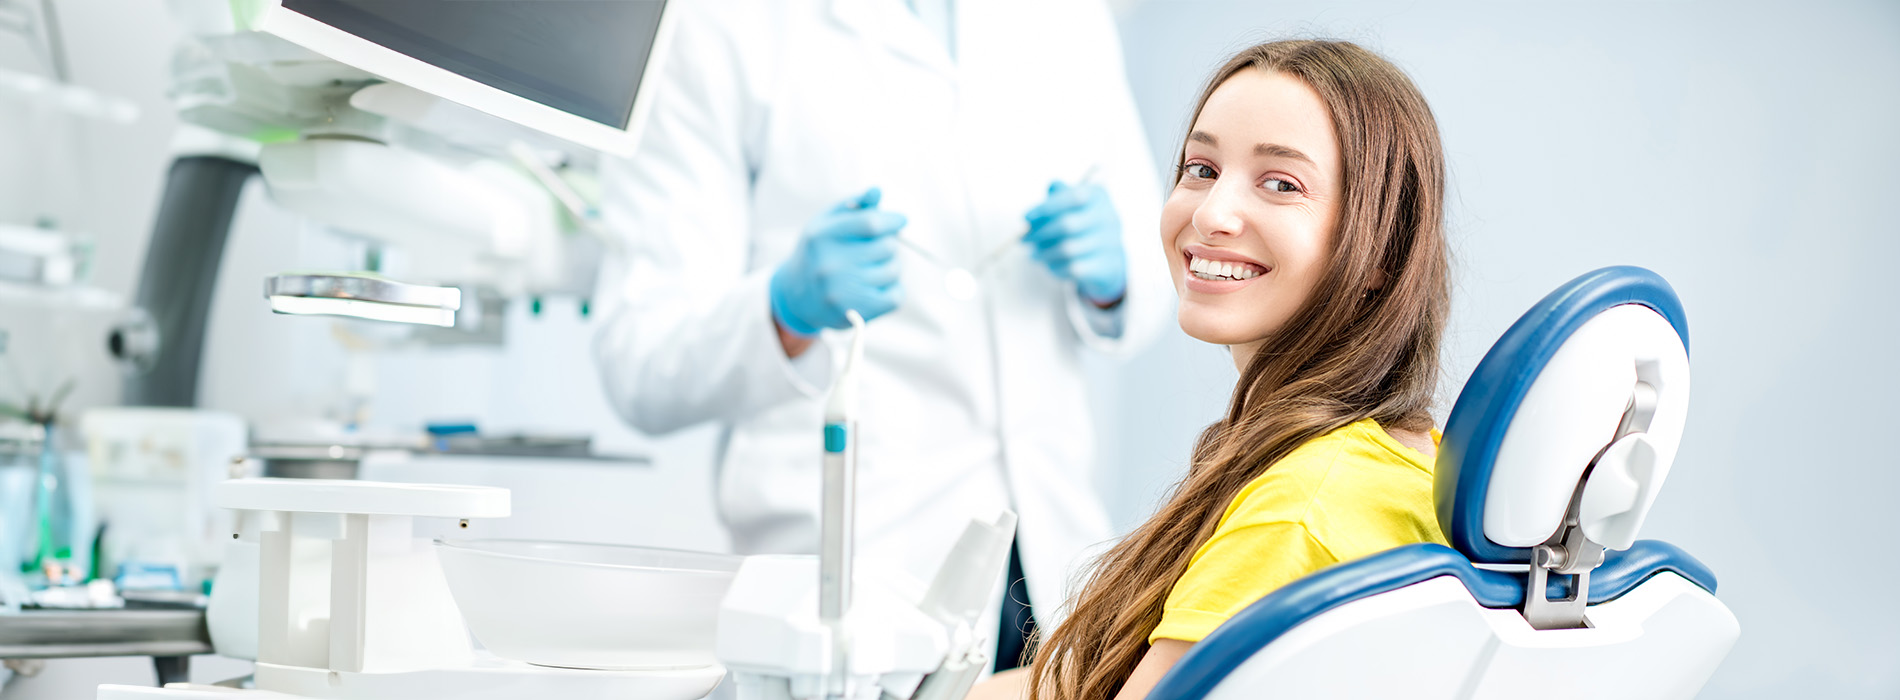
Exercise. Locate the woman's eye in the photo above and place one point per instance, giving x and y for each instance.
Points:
(1275, 184)
(1198, 171)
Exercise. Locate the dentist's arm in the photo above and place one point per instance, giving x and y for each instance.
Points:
(687, 333)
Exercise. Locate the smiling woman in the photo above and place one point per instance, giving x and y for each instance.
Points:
(1248, 195)
(1305, 233)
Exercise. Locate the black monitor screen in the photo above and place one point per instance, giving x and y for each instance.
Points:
(578, 56)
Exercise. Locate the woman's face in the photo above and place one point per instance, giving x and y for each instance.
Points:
(1249, 226)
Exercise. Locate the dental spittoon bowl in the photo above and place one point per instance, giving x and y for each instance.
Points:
(592, 606)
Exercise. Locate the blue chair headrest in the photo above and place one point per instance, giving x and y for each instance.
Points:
(1550, 450)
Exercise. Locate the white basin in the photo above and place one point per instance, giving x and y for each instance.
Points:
(591, 606)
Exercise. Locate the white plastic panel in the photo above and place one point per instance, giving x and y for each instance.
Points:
(484, 678)
(364, 497)
(1661, 641)
(1431, 640)
(1571, 413)
(1418, 642)
(406, 198)
(1621, 488)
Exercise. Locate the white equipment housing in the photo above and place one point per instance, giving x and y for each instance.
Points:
(827, 627)
(480, 220)
(434, 126)
(352, 605)
(895, 640)
(1550, 462)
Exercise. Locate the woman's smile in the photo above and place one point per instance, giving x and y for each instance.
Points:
(1214, 271)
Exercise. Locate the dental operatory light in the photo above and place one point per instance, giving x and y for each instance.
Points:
(359, 295)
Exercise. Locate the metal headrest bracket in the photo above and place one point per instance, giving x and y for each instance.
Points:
(1569, 552)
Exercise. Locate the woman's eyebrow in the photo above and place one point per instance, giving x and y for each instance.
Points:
(1273, 149)
(1262, 150)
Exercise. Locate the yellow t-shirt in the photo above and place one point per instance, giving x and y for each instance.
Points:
(1344, 495)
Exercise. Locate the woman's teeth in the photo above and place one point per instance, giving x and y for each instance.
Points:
(1216, 270)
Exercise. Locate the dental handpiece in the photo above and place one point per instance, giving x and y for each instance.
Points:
(870, 201)
(840, 485)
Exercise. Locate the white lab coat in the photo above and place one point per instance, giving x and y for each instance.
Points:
(767, 113)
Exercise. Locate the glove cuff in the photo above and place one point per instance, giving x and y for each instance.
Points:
(1101, 292)
(780, 313)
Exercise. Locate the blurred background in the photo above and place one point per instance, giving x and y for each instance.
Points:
(1747, 151)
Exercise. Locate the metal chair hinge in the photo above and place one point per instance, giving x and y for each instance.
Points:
(1569, 552)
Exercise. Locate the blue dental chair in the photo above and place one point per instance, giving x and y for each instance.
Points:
(1550, 461)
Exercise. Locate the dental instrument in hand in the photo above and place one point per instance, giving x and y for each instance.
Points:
(907, 243)
(1088, 178)
(869, 202)
(959, 282)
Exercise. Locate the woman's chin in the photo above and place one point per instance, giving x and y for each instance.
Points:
(1212, 330)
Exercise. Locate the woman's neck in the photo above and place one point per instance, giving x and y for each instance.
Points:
(1244, 352)
(1415, 440)
(1421, 441)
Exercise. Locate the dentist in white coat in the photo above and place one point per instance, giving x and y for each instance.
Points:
(750, 222)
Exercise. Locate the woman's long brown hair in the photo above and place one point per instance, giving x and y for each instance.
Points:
(1365, 346)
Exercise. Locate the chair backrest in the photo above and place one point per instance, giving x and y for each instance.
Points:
(1551, 460)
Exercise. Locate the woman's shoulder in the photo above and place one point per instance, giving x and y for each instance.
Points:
(1343, 461)
(1353, 445)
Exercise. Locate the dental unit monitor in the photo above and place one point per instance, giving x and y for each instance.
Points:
(574, 69)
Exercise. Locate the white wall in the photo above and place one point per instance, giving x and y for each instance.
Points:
(1747, 151)
(97, 179)
(100, 180)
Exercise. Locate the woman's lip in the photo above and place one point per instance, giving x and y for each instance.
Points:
(1199, 285)
(1200, 251)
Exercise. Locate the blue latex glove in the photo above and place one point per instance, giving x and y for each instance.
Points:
(1078, 236)
(846, 260)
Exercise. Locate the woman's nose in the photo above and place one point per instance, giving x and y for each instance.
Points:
(1219, 213)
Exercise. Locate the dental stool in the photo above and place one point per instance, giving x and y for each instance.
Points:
(1549, 464)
